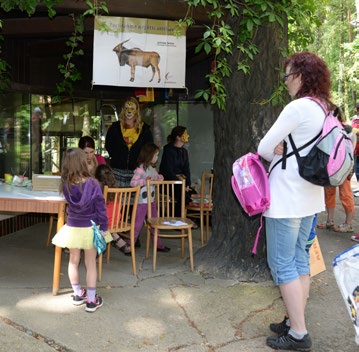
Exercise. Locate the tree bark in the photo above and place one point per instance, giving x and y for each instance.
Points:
(238, 131)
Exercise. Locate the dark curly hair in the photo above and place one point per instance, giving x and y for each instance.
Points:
(315, 75)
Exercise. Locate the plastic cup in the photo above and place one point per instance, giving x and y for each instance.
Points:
(18, 180)
(8, 178)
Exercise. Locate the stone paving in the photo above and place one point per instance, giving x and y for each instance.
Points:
(172, 309)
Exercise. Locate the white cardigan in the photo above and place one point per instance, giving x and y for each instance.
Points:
(291, 195)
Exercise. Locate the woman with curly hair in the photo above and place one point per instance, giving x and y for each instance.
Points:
(294, 201)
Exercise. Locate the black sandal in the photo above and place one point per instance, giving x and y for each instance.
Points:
(125, 249)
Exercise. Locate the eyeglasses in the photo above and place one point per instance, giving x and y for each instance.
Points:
(286, 75)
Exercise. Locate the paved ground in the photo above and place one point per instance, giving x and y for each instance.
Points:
(169, 310)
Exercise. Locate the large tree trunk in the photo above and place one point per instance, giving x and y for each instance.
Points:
(237, 131)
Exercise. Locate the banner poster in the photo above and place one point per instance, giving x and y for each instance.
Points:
(138, 52)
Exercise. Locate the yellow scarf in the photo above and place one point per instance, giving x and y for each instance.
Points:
(130, 135)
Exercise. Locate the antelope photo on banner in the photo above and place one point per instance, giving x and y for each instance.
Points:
(138, 52)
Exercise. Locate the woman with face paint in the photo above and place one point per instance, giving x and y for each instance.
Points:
(124, 141)
(175, 163)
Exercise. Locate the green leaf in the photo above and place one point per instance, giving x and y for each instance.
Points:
(199, 47)
(207, 34)
(207, 48)
(198, 94)
(249, 25)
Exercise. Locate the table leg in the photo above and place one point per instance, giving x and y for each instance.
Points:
(58, 252)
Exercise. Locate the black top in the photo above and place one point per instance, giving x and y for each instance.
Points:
(175, 161)
(121, 156)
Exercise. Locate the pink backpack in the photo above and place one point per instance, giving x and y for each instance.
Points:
(250, 185)
(331, 159)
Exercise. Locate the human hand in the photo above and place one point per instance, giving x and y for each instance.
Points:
(181, 177)
(279, 149)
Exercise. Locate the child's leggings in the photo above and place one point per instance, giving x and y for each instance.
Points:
(140, 218)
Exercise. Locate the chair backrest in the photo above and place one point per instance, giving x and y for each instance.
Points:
(121, 206)
(164, 193)
(204, 199)
(206, 189)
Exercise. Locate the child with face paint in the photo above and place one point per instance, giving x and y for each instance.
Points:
(124, 140)
(175, 162)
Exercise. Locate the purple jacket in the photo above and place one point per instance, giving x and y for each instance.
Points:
(85, 203)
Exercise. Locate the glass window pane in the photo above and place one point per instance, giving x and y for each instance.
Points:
(14, 134)
(198, 118)
(57, 127)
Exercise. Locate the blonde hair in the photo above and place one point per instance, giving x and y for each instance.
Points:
(138, 117)
(74, 168)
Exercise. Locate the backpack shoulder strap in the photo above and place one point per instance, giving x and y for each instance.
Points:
(254, 250)
(294, 149)
(326, 112)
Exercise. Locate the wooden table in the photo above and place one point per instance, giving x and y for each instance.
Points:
(23, 199)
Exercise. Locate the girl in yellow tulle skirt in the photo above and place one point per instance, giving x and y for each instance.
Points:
(85, 202)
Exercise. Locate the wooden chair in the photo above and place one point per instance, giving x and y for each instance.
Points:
(165, 224)
(202, 205)
(124, 210)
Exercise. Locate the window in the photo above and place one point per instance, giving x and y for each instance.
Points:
(34, 132)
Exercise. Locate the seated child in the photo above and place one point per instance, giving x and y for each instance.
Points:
(106, 177)
(145, 171)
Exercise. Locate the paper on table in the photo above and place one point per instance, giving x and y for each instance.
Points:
(174, 223)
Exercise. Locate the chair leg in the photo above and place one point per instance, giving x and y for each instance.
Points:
(202, 227)
(207, 227)
(50, 229)
(182, 245)
(133, 252)
(148, 241)
(155, 238)
(100, 267)
(108, 252)
(190, 248)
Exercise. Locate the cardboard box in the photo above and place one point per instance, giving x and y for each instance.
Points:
(45, 182)
(317, 264)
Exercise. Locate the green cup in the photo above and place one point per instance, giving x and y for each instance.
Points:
(8, 178)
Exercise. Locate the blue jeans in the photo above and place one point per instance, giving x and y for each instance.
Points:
(286, 248)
